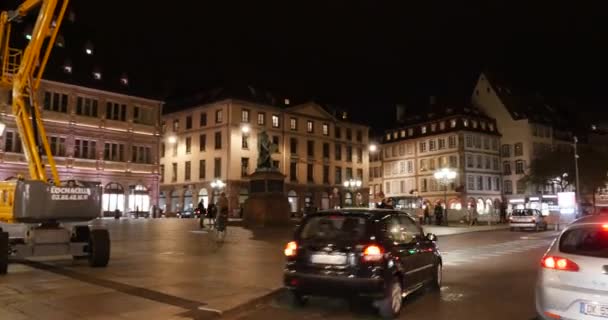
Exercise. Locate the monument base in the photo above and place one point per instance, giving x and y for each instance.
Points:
(267, 204)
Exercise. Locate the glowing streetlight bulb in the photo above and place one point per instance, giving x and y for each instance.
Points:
(373, 148)
(172, 139)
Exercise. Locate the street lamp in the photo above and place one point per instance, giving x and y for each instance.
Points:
(373, 148)
(172, 139)
(578, 199)
(444, 177)
(245, 128)
(352, 185)
(217, 184)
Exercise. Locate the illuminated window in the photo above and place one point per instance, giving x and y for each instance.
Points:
(97, 75)
(275, 121)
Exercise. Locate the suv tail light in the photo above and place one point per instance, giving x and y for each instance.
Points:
(291, 248)
(605, 226)
(372, 253)
(559, 263)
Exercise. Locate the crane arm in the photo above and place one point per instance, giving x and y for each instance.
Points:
(26, 80)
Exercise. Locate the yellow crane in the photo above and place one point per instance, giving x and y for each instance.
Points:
(41, 216)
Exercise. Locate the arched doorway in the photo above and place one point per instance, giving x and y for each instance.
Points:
(139, 199)
(292, 197)
(324, 200)
(174, 201)
(480, 206)
(348, 199)
(113, 198)
(187, 199)
(203, 196)
(455, 204)
(489, 206)
(162, 201)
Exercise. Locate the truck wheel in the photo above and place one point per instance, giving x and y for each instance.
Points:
(99, 248)
(81, 234)
(3, 252)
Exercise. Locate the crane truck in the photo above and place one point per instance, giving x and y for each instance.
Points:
(42, 216)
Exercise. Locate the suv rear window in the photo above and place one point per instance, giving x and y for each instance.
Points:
(523, 213)
(334, 227)
(585, 241)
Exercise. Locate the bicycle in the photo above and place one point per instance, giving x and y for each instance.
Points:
(220, 229)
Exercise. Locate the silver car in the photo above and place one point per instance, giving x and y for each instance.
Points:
(573, 278)
(527, 219)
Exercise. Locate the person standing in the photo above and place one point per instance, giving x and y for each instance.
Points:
(427, 215)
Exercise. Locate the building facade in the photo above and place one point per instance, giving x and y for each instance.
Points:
(96, 136)
(528, 126)
(465, 141)
(219, 140)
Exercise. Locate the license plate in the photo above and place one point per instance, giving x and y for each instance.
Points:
(594, 310)
(328, 259)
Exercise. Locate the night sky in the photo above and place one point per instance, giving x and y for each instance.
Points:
(352, 53)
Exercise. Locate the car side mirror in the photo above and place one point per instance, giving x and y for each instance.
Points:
(431, 237)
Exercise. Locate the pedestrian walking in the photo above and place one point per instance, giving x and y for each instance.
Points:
(438, 214)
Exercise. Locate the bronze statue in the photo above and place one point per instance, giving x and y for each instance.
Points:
(265, 149)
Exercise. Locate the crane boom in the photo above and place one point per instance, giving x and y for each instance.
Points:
(25, 80)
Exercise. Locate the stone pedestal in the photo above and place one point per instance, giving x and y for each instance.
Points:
(267, 204)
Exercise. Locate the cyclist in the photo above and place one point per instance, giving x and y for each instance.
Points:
(222, 214)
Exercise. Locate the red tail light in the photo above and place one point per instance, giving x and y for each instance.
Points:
(291, 248)
(372, 253)
(605, 226)
(559, 263)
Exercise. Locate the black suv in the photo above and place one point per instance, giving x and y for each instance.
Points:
(378, 254)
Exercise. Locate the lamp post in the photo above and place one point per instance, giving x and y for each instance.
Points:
(218, 185)
(578, 199)
(353, 185)
(444, 177)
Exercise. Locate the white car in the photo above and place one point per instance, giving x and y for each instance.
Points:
(573, 278)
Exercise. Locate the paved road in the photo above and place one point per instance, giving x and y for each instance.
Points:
(487, 275)
(168, 269)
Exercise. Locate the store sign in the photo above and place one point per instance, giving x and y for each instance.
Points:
(566, 202)
(70, 194)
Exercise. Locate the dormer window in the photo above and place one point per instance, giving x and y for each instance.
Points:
(410, 132)
(124, 80)
(97, 75)
(402, 133)
(442, 125)
(395, 134)
(433, 127)
(388, 136)
(453, 123)
(286, 102)
(67, 68)
(465, 122)
(483, 125)
(474, 124)
(491, 126)
(423, 129)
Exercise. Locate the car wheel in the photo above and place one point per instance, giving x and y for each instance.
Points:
(390, 306)
(437, 277)
(296, 299)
